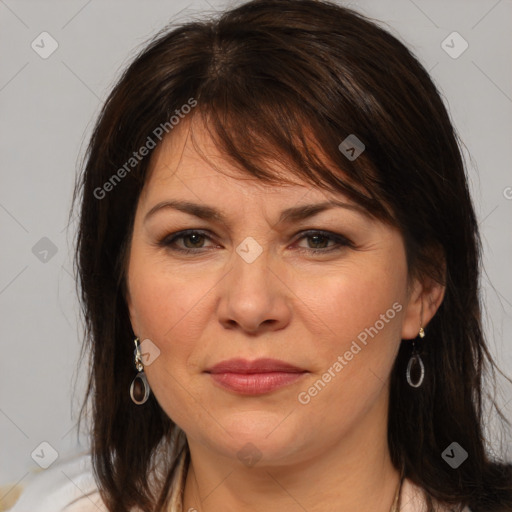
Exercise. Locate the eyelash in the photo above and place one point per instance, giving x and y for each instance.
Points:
(340, 241)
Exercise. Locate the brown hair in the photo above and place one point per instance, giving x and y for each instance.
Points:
(265, 76)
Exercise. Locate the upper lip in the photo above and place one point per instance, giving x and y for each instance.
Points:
(263, 365)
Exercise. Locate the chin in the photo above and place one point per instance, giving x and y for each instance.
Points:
(257, 435)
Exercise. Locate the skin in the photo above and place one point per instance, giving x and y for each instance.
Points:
(330, 454)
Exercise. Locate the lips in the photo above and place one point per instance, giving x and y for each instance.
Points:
(254, 377)
(257, 366)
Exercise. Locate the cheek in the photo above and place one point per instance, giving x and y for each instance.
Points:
(349, 301)
(361, 312)
(166, 308)
(163, 298)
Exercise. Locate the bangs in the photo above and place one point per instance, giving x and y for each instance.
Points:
(252, 131)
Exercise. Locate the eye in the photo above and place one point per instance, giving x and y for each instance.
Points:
(193, 241)
(320, 238)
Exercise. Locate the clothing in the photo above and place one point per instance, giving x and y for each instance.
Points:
(69, 486)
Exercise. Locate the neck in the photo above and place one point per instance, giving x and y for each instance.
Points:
(355, 474)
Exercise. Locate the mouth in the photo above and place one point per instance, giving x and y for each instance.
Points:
(254, 377)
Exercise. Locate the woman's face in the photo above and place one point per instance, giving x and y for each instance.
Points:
(251, 287)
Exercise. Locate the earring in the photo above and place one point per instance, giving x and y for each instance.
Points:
(139, 388)
(416, 360)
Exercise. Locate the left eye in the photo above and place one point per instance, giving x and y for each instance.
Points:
(196, 238)
(321, 238)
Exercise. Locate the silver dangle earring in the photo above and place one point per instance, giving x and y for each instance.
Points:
(139, 388)
(416, 360)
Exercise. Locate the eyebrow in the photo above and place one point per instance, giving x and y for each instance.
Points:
(289, 215)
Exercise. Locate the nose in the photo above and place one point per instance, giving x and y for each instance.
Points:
(253, 297)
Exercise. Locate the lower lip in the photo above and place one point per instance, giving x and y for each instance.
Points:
(255, 383)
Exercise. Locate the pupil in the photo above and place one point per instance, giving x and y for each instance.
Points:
(194, 236)
(315, 238)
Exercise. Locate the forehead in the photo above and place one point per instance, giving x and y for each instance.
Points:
(184, 180)
(188, 160)
(189, 173)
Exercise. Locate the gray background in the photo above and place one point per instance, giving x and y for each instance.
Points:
(48, 106)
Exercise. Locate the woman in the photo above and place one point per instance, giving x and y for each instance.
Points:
(279, 262)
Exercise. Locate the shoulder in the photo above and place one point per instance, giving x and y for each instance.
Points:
(413, 499)
(66, 486)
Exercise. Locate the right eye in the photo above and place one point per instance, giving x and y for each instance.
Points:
(191, 235)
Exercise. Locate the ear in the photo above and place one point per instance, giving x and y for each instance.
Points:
(425, 297)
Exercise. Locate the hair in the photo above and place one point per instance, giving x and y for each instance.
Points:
(288, 81)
